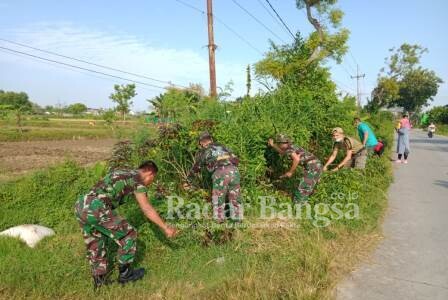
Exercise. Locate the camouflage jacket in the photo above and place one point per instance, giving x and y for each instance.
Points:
(305, 156)
(118, 186)
(213, 157)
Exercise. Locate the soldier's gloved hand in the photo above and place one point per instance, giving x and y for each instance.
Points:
(170, 232)
(271, 142)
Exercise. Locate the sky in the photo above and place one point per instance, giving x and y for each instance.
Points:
(166, 40)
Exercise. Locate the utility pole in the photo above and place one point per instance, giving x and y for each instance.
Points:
(358, 92)
(211, 50)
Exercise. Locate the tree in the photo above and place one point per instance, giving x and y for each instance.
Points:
(60, 108)
(18, 103)
(77, 108)
(322, 43)
(36, 109)
(248, 81)
(177, 102)
(404, 82)
(403, 60)
(417, 88)
(49, 108)
(122, 96)
(383, 94)
(109, 117)
(293, 61)
(439, 114)
(195, 90)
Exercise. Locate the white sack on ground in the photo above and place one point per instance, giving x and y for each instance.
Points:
(30, 234)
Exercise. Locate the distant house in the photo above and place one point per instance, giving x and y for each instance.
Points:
(94, 111)
(396, 111)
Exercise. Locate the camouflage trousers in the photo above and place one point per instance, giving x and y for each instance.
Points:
(311, 177)
(99, 223)
(226, 185)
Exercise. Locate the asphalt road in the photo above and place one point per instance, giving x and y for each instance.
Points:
(412, 260)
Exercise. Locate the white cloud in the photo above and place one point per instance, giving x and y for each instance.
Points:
(180, 66)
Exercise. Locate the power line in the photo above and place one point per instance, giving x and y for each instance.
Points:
(345, 69)
(73, 70)
(238, 35)
(353, 57)
(348, 63)
(349, 66)
(281, 20)
(257, 20)
(224, 24)
(345, 88)
(272, 16)
(190, 6)
(82, 68)
(91, 63)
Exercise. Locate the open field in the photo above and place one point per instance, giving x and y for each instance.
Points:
(19, 158)
(62, 129)
(45, 142)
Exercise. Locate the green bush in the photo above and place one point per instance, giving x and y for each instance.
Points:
(439, 114)
(307, 115)
(298, 262)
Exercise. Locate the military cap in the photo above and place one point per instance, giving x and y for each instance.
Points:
(205, 135)
(337, 130)
(282, 138)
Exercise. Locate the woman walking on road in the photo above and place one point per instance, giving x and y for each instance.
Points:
(403, 148)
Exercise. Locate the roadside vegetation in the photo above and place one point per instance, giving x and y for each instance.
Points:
(302, 257)
(439, 115)
(271, 258)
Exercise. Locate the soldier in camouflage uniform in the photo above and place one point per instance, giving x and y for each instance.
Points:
(96, 215)
(223, 166)
(311, 165)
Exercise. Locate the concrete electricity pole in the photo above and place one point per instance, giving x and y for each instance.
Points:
(358, 92)
(211, 49)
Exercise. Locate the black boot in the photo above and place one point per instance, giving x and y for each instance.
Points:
(127, 274)
(100, 280)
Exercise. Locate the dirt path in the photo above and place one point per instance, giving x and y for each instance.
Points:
(412, 261)
(18, 158)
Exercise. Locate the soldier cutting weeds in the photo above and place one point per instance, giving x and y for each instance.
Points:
(312, 167)
(96, 215)
(223, 166)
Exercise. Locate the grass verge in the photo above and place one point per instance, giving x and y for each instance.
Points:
(62, 129)
(304, 262)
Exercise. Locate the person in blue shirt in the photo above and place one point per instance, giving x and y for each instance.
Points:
(366, 134)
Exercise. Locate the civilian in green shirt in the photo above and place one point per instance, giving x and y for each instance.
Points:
(366, 135)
